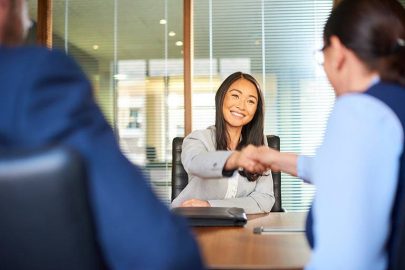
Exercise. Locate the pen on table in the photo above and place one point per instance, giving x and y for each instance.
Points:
(260, 230)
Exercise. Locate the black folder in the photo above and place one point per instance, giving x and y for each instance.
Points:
(212, 216)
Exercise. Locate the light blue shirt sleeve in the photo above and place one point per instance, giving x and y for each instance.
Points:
(355, 172)
(304, 168)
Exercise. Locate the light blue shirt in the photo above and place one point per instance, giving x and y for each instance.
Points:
(355, 172)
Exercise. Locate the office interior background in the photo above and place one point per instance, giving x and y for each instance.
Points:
(132, 51)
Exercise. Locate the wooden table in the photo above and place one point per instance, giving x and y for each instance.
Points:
(240, 248)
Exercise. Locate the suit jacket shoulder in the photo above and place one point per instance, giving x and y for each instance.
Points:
(205, 136)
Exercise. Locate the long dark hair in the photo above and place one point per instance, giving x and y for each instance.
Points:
(375, 31)
(252, 133)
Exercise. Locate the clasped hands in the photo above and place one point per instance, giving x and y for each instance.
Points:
(253, 159)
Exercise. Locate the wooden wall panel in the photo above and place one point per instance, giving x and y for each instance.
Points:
(188, 54)
(44, 23)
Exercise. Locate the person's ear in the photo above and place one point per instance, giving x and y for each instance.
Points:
(338, 52)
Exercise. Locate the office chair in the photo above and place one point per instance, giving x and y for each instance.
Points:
(180, 177)
(45, 217)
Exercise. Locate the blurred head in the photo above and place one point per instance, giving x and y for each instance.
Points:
(373, 31)
(239, 104)
(14, 22)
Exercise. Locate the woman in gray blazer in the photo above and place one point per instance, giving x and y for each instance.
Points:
(220, 174)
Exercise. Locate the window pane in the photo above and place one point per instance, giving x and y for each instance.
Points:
(275, 42)
(128, 50)
(136, 70)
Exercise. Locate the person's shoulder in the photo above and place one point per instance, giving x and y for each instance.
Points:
(390, 85)
(362, 110)
(19, 55)
(202, 133)
(25, 51)
(206, 135)
(356, 101)
(51, 55)
(32, 54)
(360, 103)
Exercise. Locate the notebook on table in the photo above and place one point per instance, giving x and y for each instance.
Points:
(212, 216)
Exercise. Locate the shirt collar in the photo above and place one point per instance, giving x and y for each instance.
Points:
(376, 79)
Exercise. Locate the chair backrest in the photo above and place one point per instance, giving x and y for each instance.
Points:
(274, 142)
(180, 177)
(45, 216)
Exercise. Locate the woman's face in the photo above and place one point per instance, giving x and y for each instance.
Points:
(240, 103)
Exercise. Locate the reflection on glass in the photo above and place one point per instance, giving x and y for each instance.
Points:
(274, 41)
(136, 70)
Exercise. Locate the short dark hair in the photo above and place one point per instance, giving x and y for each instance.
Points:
(375, 31)
(252, 133)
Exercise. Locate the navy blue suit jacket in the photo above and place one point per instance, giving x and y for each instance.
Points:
(45, 99)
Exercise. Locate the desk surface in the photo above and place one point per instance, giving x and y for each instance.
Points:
(240, 248)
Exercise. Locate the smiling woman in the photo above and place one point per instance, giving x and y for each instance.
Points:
(215, 158)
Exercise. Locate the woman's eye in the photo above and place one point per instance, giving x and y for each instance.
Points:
(235, 96)
(251, 102)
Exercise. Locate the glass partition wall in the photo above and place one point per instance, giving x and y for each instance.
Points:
(132, 52)
(278, 42)
(275, 41)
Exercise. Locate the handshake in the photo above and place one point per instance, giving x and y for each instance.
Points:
(259, 159)
(254, 159)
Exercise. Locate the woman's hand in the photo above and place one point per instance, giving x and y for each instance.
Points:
(195, 203)
(275, 160)
(246, 159)
(266, 156)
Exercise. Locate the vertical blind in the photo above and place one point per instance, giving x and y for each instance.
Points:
(131, 50)
(277, 41)
(274, 41)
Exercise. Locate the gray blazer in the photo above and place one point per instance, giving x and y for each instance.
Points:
(204, 165)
